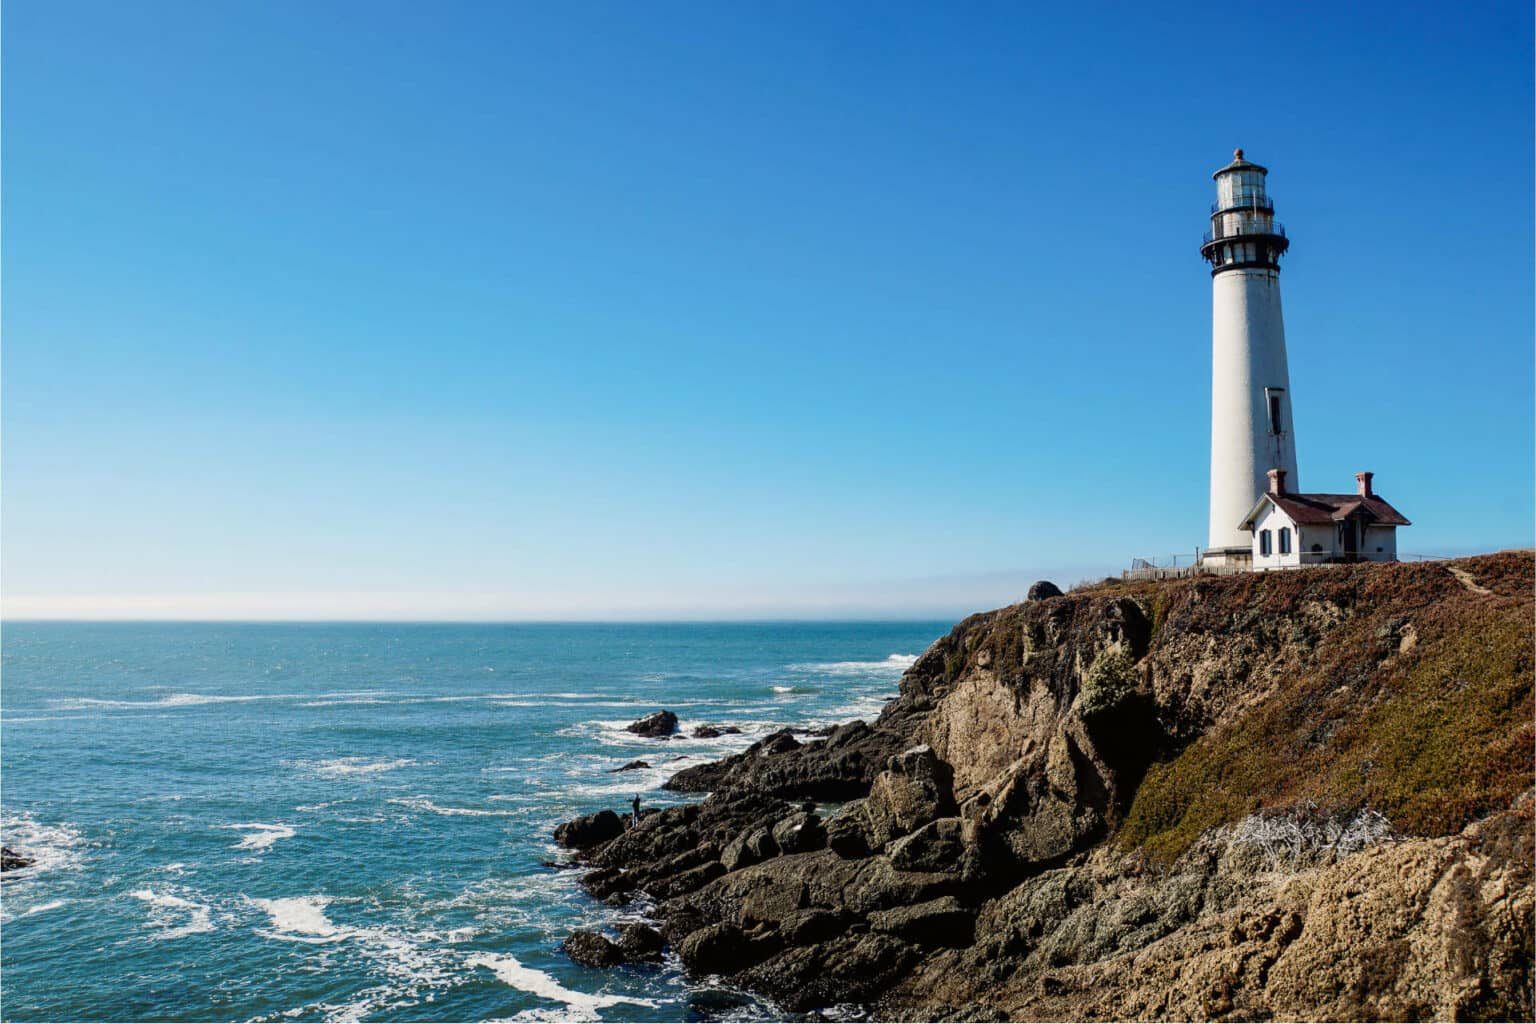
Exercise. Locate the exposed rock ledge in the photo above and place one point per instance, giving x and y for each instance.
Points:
(1302, 795)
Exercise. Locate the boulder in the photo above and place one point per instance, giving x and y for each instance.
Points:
(658, 725)
(915, 788)
(717, 949)
(592, 950)
(640, 942)
(846, 832)
(589, 830)
(1042, 589)
(632, 766)
(751, 847)
(934, 847)
(705, 732)
(10, 860)
(941, 922)
(799, 833)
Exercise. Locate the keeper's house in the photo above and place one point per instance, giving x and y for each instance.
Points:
(1293, 530)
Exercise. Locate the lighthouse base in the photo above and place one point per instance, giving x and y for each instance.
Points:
(1227, 558)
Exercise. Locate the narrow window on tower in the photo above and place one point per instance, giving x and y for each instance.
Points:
(1273, 397)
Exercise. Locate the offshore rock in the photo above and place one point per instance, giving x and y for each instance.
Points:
(661, 724)
(10, 860)
(640, 943)
(592, 950)
(630, 767)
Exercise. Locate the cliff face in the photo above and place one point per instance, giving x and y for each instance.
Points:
(1300, 795)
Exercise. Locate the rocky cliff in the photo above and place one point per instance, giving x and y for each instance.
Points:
(1302, 795)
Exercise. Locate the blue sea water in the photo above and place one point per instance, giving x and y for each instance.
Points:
(339, 822)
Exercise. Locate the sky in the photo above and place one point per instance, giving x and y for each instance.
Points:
(355, 310)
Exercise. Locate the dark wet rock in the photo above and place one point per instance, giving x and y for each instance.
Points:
(630, 767)
(593, 950)
(849, 968)
(1042, 589)
(730, 730)
(640, 942)
(718, 949)
(658, 725)
(10, 860)
(705, 732)
(589, 830)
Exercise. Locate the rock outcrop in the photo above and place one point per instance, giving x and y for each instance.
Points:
(659, 725)
(1300, 795)
(10, 860)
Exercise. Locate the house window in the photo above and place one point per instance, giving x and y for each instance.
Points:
(1285, 540)
(1264, 542)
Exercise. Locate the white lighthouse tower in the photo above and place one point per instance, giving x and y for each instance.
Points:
(1251, 427)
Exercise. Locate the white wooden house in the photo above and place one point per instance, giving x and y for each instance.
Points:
(1293, 530)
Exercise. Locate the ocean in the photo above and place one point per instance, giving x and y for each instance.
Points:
(352, 821)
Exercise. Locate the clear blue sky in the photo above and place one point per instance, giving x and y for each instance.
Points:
(358, 309)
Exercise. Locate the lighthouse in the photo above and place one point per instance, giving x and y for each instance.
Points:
(1251, 427)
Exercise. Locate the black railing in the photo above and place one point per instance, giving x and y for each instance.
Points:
(1254, 231)
(1265, 203)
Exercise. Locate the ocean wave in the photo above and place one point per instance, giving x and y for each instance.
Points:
(341, 767)
(49, 846)
(795, 689)
(174, 700)
(510, 971)
(894, 663)
(261, 836)
(41, 907)
(421, 803)
(344, 702)
(174, 916)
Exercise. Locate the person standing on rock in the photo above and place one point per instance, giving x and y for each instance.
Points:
(635, 803)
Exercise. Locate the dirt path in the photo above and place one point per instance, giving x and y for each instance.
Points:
(1467, 580)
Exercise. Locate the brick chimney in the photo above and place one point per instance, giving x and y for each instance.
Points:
(1363, 484)
(1277, 481)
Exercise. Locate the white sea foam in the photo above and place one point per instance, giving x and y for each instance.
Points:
(41, 907)
(795, 689)
(421, 803)
(510, 971)
(174, 700)
(49, 846)
(261, 836)
(894, 663)
(344, 766)
(174, 916)
(300, 918)
(344, 701)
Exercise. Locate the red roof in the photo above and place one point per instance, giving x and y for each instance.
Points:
(1320, 509)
